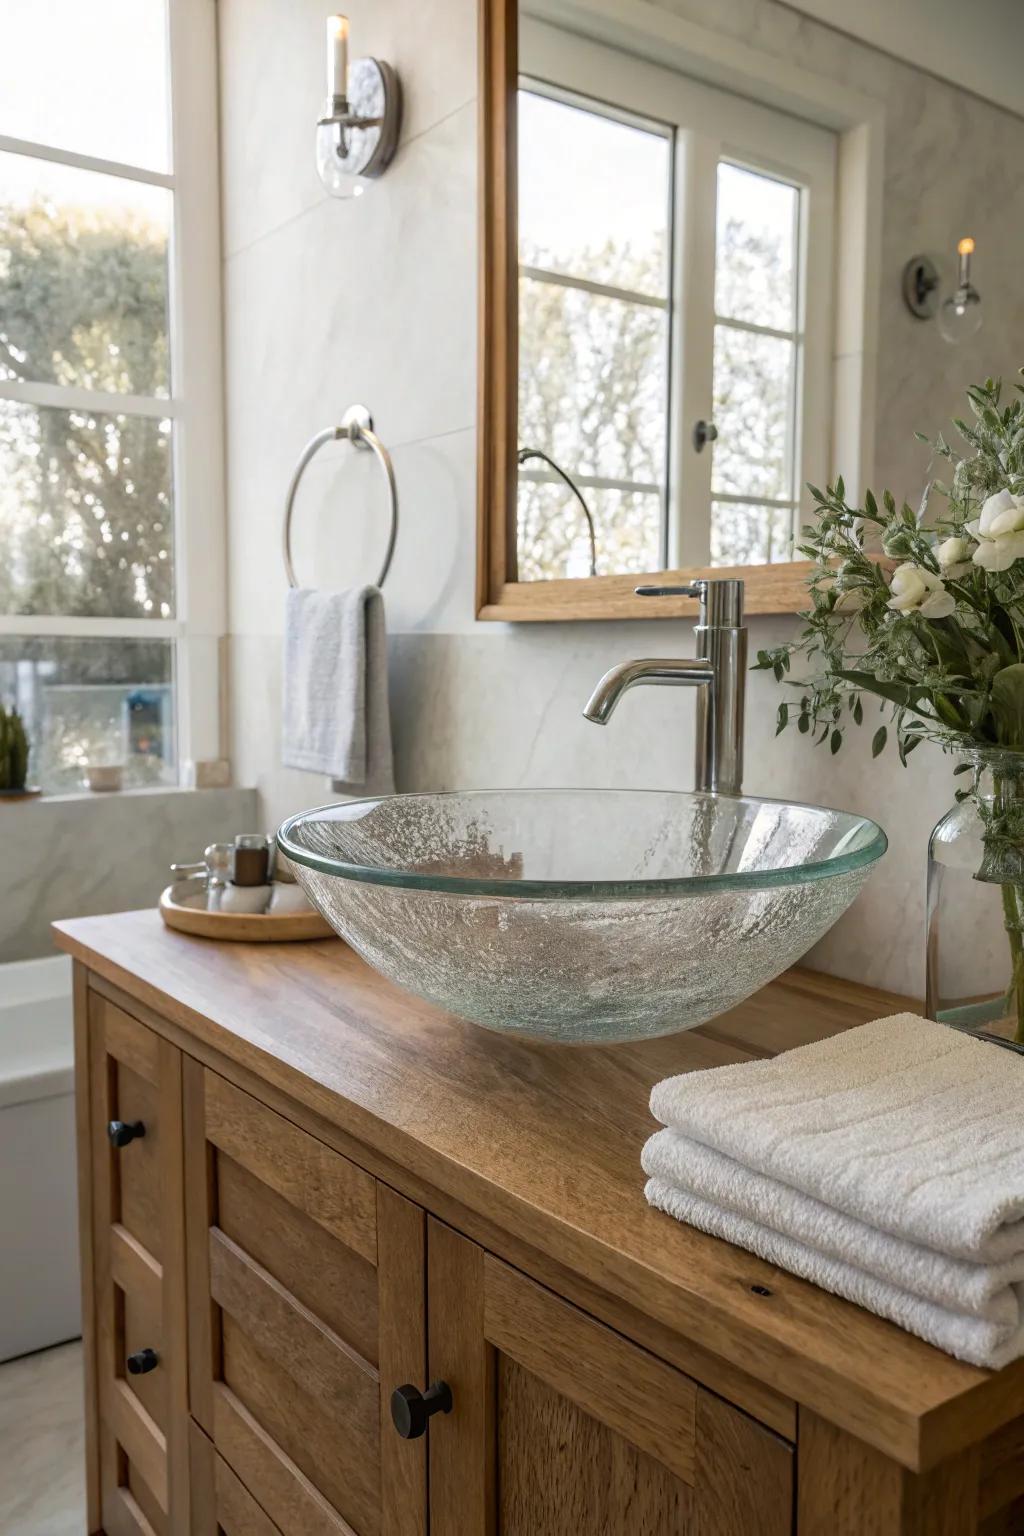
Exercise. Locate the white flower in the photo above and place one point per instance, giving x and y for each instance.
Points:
(915, 589)
(999, 531)
(953, 555)
(1002, 513)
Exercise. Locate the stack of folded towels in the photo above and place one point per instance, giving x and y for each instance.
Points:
(885, 1164)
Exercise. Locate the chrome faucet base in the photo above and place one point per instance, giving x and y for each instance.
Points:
(718, 672)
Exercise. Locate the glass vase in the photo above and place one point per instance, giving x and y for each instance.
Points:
(975, 911)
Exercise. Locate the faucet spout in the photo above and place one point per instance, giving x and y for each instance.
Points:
(717, 672)
(665, 671)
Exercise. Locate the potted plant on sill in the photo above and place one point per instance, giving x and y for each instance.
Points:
(924, 611)
(14, 755)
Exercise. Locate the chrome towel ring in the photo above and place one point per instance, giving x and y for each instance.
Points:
(357, 426)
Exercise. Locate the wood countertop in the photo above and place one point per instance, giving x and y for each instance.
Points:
(543, 1143)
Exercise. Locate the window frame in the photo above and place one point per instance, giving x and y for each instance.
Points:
(195, 403)
(793, 151)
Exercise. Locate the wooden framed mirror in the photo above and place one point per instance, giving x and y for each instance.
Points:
(658, 260)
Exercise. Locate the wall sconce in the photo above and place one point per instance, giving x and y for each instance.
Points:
(960, 315)
(357, 135)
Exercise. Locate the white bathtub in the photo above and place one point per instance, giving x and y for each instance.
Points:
(39, 1298)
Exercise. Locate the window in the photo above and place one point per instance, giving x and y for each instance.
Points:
(675, 268)
(110, 493)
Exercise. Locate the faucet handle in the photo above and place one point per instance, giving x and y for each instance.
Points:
(721, 599)
(688, 589)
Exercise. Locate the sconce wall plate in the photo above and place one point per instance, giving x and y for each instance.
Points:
(921, 287)
(368, 125)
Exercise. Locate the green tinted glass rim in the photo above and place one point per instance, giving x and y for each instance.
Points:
(581, 890)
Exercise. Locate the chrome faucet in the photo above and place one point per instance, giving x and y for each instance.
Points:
(718, 672)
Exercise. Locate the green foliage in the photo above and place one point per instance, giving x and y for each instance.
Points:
(948, 667)
(14, 750)
(85, 498)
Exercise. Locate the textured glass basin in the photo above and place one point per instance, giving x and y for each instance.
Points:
(581, 915)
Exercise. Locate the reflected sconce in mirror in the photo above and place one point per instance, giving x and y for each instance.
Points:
(959, 316)
(523, 457)
(357, 135)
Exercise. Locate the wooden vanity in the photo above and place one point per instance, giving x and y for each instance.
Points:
(337, 1191)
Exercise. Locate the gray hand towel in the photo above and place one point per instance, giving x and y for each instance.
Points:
(336, 719)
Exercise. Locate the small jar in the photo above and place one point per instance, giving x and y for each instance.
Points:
(251, 862)
(249, 888)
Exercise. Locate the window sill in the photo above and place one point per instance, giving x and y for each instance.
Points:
(142, 792)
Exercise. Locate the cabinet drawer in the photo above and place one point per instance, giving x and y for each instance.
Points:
(130, 1070)
(301, 1270)
(138, 1231)
(221, 1503)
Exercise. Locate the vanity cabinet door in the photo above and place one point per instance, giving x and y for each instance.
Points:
(560, 1425)
(138, 1215)
(306, 1284)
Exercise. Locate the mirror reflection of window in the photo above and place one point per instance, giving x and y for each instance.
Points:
(594, 318)
(675, 315)
(757, 373)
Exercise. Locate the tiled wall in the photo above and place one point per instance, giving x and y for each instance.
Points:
(73, 855)
(374, 300)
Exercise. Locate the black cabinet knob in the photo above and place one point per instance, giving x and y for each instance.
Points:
(142, 1361)
(411, 1408)
(121, 1132)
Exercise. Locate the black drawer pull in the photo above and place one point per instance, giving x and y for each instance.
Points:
(121, 1132)
(411, 1408)
(142, 1361)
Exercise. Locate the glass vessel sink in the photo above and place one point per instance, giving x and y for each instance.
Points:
(581, 915)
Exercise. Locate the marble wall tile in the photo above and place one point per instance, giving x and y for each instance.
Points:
(353, 317)
(340, 531)
(75, 855)
(273, 86)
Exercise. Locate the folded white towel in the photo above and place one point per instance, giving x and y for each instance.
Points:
(903, 1124)
(336, 719)
(985, 1291)
(990, 1342)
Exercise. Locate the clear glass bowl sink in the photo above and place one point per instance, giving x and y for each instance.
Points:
(581, 915)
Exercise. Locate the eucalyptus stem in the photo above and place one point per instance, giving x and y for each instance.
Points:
(1013, 906)
(1006, 790)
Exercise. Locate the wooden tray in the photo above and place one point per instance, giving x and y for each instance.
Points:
(243, 927)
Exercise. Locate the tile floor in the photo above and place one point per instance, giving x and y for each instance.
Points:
(42, 1478)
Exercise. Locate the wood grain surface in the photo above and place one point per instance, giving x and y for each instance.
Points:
(543, 1144)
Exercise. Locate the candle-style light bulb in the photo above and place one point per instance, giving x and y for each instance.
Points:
(960, 316)
(337, 57)
(965, 250)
